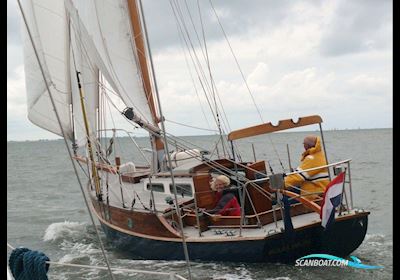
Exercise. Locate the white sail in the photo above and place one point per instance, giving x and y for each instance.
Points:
(89, 76)
(109, 27)
(51, 42)
(98, 34)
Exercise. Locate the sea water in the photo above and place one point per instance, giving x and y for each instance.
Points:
(46, 211)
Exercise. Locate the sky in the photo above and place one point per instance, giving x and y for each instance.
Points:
(299, 58)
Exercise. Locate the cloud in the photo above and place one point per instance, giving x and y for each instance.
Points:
(13, 22)
(18, 126)
(14, 59)
(371, 86)
(16, 94)
(358, 26)
(332, 58)
(259, 75)
(238, 17)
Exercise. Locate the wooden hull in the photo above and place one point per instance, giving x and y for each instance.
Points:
(340, 240)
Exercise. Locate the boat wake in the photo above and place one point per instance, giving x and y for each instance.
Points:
(377, 249)
(64, 230)
(77, 243)
(77, 240)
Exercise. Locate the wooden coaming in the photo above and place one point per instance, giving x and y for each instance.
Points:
(260, 200)
(204, 195)
(205, 167)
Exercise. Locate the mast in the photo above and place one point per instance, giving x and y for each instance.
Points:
(138, 37)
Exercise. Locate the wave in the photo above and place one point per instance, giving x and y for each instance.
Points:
(245, 276)
(80, 253)
(379, 239)
(64, 230)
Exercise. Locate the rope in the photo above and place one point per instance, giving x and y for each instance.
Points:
(48, 262)
(26, 264)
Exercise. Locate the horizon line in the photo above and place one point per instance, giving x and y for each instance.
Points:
(332, 129)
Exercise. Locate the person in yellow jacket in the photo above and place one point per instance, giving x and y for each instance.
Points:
(314, 180)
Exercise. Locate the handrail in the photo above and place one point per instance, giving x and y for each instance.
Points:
(315, 207)
(261, 180)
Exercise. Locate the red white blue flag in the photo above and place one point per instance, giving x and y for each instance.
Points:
(332, 199)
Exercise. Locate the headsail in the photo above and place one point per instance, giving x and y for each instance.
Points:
(48, 26)
(99, 36)
(108, 25)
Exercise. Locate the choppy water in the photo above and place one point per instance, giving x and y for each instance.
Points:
(46, 211)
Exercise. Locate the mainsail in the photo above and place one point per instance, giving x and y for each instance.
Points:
(89, 36)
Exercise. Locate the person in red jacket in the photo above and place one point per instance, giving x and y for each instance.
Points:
(226, 203)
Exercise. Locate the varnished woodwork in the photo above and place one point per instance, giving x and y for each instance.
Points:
(204, 195)
(138, 37)
(308, 203)
(143, 223)
(269, 127)
(205, 167)
(260, 200)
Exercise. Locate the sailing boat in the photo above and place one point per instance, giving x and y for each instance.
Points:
(79, 55)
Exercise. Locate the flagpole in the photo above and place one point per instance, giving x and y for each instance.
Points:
(323, 145)
(343, 193)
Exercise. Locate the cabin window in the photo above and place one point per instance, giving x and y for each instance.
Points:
(156, 187)
(182, 189)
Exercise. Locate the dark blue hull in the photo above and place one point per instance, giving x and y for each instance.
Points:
(340, 240)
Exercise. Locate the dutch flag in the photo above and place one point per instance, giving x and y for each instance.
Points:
(331, 200)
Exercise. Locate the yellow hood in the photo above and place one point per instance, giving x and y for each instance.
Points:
(313, 150)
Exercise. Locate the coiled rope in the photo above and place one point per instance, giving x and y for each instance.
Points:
(171, 275)
(26, 264)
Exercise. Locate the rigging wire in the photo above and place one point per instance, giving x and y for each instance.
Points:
(237, 63)
(192, 79)
(244, 80)
(185, 249)
(206, 58)
(91, 67)
(195, 63)
(195, 60)
(65, 140)
(213, 87)
(205, 55)
(191, 126)
(136, 53)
